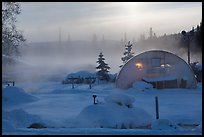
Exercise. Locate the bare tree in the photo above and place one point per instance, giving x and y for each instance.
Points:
(11, 37)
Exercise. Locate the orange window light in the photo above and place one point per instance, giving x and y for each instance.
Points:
(139, 65)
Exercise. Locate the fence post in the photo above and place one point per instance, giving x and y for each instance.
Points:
(90, 80)
(157, 107)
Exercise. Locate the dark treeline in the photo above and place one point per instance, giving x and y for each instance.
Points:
(175, 43)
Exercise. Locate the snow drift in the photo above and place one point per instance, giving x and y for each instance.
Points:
(141, 86)
(18, 118)
(13, 95)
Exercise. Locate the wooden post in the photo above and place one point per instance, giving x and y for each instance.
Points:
(90, 85)
(157, 107)
(72, 79)
(13, 83)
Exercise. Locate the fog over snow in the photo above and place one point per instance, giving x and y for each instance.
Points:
(64, 39)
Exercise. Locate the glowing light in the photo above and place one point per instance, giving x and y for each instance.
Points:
(165, 65)
(139, 65)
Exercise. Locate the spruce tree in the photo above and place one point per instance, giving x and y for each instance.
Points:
(103, 68)
(128, 53)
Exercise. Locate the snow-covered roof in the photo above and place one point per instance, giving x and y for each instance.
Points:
(81, 74)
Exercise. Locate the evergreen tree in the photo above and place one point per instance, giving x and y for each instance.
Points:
(128, 53)
(11, 37)
(103, 68)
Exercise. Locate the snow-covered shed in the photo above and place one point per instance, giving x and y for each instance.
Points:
(160, 68)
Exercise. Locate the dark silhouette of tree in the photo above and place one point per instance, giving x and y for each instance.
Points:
(11, 37)
(150, 33)
(128, 53)
(103, 68)
(94, 40)
(197, 71)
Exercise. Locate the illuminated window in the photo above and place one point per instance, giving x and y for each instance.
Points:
(139, 65)
(156, 62)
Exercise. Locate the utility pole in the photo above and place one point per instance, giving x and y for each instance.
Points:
(188, 38)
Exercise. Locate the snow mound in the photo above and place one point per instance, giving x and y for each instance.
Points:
(14, 95)
(113, 116)
(18, 118)
(163, 124)
(116, 112)
(81, 74)
(120, 99)
(141, 86)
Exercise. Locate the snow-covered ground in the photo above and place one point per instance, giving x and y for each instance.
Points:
(64, 110)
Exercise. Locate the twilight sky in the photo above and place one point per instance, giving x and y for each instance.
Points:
(41, 21)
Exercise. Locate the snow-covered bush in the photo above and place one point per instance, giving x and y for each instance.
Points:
(112, 116)
(141, 85)
(197, 69)
(116, 112)
(121, 99)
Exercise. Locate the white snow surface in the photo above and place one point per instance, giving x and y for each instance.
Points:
(71, 111)
(18, 118)
(141, 86)
(163, 124)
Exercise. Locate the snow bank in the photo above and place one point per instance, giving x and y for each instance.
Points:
(141, 86)
(13, 95)
(18, 118)
(116, 112)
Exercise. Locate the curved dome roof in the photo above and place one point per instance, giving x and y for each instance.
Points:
(155, 65)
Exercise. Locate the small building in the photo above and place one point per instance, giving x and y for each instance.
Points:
(79, 77)
(160, 68)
